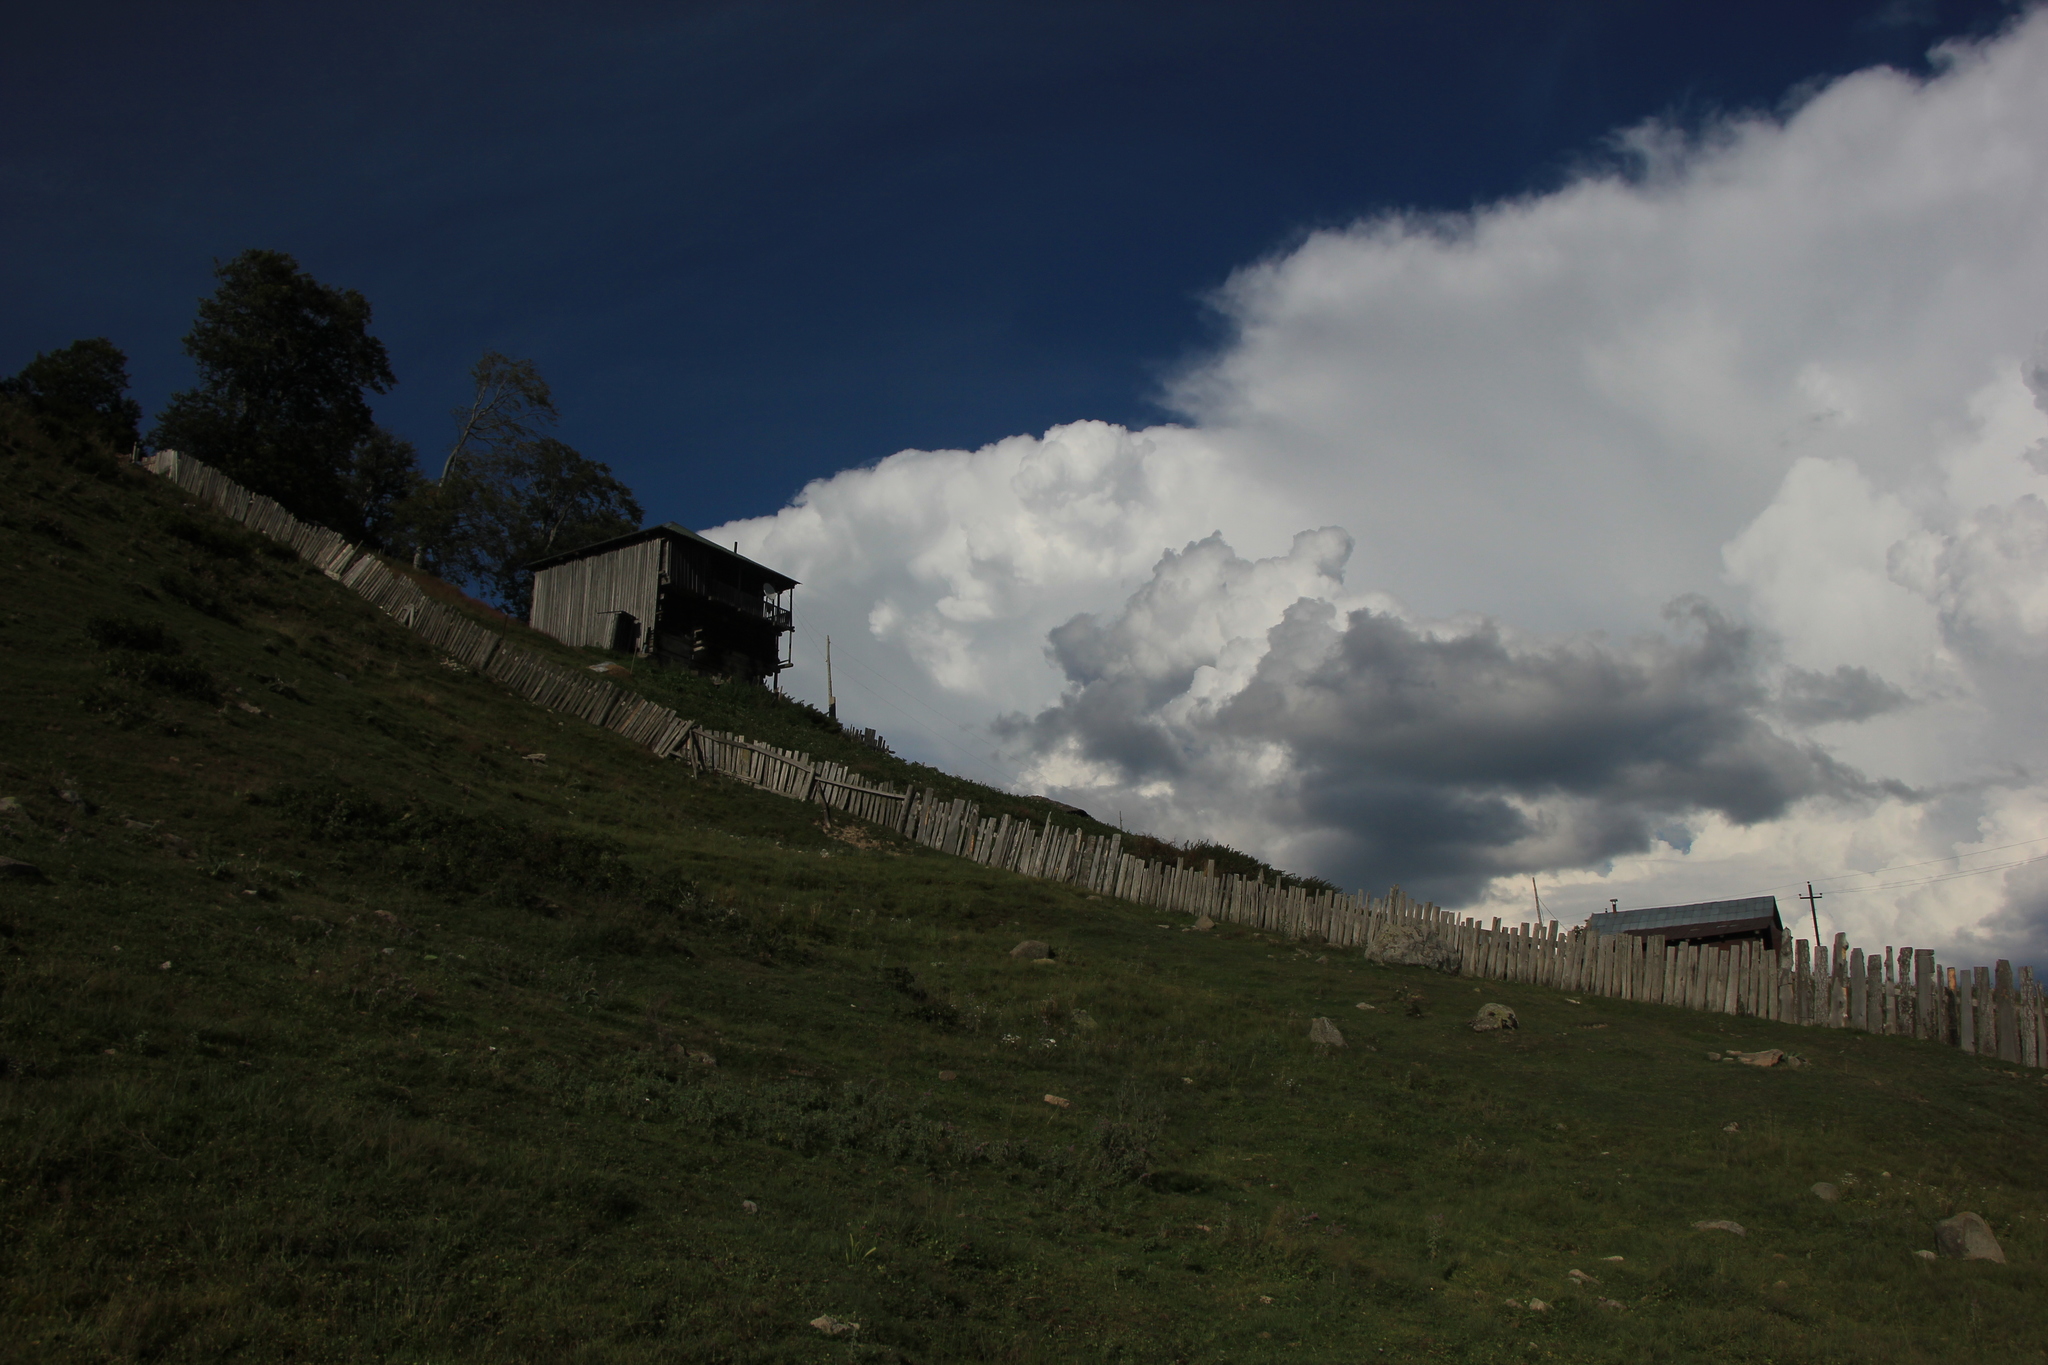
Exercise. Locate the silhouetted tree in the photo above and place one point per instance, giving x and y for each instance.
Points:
(284, 365)
(509, 492)
(548, 497)
(85, 386)
(383, 478)
(509, 408)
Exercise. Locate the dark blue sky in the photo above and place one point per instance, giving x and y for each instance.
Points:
(750, 244)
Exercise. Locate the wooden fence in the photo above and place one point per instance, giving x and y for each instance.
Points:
(1990, 1011)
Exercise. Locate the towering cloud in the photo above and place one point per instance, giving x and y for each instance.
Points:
(1685, 534)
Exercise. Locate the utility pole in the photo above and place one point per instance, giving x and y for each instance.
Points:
(1539, 902)
(831, 702)
(1811, 898)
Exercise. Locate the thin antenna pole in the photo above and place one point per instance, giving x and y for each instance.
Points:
(831, 701)
(1812, 897)
(1539, 901)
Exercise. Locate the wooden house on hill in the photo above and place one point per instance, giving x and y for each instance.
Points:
(1712, 922)
(668, 594)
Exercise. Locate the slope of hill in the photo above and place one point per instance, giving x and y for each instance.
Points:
(337, 1027)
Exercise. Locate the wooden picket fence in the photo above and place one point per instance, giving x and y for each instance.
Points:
(1992, 1011)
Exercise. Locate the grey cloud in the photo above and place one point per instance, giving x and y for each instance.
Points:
(1847, 694)
(1443, 758)
(2019, 928)
(1475, 739)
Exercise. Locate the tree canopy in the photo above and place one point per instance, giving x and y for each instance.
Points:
(509, 492)
(84, 385)
(285, 364)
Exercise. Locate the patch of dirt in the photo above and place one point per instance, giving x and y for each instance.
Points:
(852, 834)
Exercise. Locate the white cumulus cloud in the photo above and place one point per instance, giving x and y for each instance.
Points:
(1683, 533)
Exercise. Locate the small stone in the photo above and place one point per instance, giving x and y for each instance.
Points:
(833, 1327)
(16, 870)
(1493, 1017)
(1722, 1225)
(1363, 1006)
(1966, 1237)
(1924, 1255)
(1713, 1056)
(1538, 1306)
(1732, 1128)
(1059, 1103)
(749, 1206)
(163, 966)
(535, 758)
(1610, 1303)
(1768, 1057)
(1581, 1277)
(1826, 1192)
(699, 1057)
(949, 1075)
(1032, 950)
(1204, 924)
(1323, 1033)
(1610, 1258)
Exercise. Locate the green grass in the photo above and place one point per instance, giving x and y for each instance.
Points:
(427, 1076)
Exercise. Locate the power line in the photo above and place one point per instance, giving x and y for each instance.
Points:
(1951, 858)
(1944, 877)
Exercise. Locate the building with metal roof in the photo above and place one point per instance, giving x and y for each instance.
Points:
(1755, 917)
(667, 593)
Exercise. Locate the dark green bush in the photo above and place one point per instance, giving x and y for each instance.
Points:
(211, 535)
(125, 632)
(196, 595)
(166, 674)
(452, 853)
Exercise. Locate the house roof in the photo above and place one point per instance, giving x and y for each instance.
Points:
(1706, 919)
(674, 532)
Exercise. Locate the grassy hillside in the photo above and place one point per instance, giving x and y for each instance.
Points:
(337, 1028)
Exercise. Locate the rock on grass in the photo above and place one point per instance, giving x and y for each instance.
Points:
(1967, 1237)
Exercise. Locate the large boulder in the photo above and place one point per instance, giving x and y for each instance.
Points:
(1493, 1017)
(14, 870)
(1323, 1033)
(1966, 1237)
(1031, 949)
(1404, 943)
